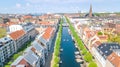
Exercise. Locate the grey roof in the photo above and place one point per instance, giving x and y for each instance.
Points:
(31, 58)
(20, 65)
(106, 49)
(17, 60)
(4, 40)
(37, 46)
(27, 27)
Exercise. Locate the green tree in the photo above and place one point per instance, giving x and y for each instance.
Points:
(88, 57)
(100, 33)
(92, 64)
(84, 51)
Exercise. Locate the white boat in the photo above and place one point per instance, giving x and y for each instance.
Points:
(79, 60)
(77, 52)
(61, 49)
(60, 62)
(78, 57)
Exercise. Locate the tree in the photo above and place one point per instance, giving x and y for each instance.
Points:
(88, 57)
(84, 51)
(92, 64)
(2, 32)
(100, 33)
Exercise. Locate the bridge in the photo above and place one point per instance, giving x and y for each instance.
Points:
(65, 25)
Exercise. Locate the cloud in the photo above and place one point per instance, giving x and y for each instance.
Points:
(18, 5)
(62, 1)
(27, 4)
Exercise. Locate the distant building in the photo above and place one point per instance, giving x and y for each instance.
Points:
(90, 14)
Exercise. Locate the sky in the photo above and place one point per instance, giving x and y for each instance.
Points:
(58, 6)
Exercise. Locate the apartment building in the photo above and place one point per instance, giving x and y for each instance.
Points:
(7, 48)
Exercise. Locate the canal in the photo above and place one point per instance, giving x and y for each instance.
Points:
(67, 56)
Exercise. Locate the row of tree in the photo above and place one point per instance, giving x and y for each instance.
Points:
(87, 55)
(56, 54)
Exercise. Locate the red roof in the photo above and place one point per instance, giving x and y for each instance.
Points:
(46, 23)
(48, 33)
(27, 16)
(33, 49)
(24, 62)
(17, 34)
(103, 37)
(97, 43)
(114, 59)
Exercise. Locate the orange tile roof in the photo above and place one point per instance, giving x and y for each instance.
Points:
(48, 33)
(114, 59)
(17, 34)
(11, 23)
(33, 49)
(103, 37)
(27, 16)
(46, 23)
(97, 43)
(24, 62)
(88, 34)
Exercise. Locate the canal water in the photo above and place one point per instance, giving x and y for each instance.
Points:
(67, 56)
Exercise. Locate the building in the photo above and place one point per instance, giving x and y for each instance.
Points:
(19, 37)
(29, 59)
(90, 12)
(27, 27)
(46, 39)
(33, 56)
(30, 30)
(13, 28)
(39, 51)
(113, 60)
(7, 49)
(103, 51)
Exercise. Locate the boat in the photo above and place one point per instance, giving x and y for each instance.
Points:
(76, 46)
(79, 60)
(77, 52)
(78, 56)
(60, 62)
(61, 49)
(63, 39)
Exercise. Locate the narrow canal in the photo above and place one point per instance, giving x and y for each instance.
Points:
(68, 54)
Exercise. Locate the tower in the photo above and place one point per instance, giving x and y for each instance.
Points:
(90, 11)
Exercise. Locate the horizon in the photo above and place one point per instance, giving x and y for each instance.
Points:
(56, 6)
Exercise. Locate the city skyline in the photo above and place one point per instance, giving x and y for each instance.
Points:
(58, 6)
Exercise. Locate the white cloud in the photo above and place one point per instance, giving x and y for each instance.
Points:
(62, 1)
(18, 5)
(27, 4)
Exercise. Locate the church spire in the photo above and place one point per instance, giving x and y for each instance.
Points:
(90, 11)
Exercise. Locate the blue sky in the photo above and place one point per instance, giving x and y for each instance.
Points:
(53, 6)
